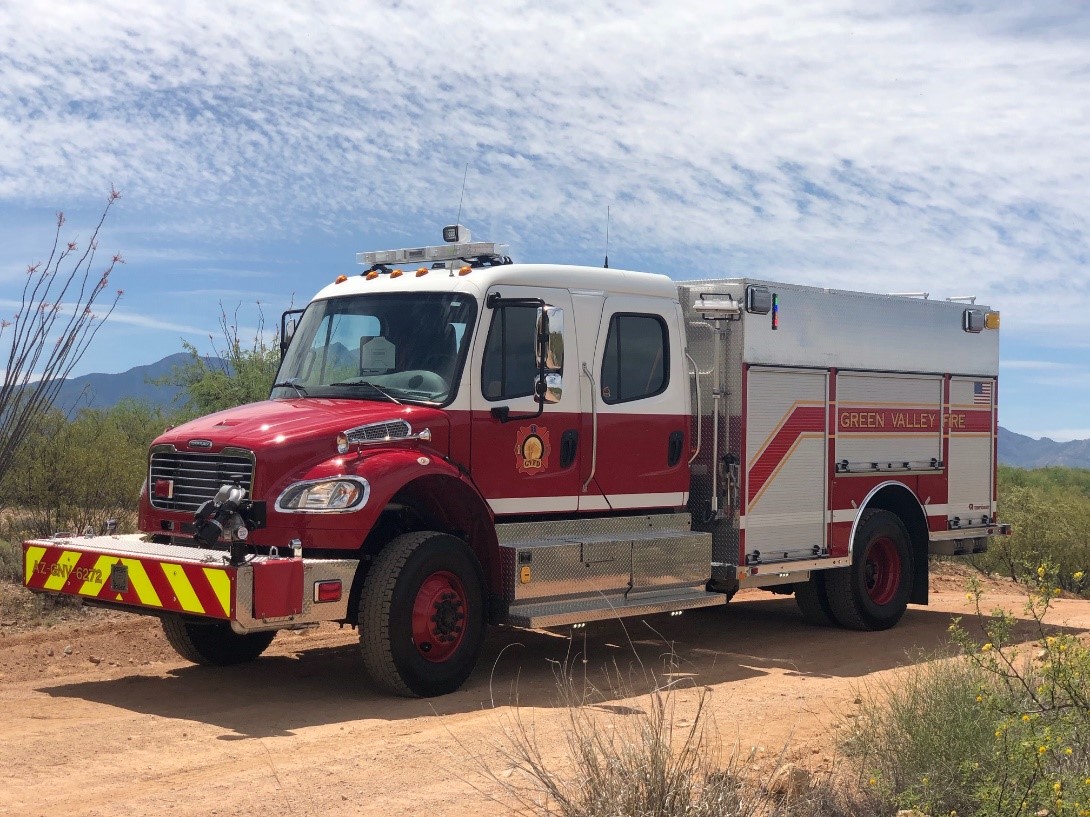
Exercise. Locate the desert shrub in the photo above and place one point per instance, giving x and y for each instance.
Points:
(1002, 730)
(658, 755)
(920, 740)
(1049, 509)
(11, 561)
(240, 371)
(74, 474)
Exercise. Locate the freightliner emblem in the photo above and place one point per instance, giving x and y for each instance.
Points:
(200, 443)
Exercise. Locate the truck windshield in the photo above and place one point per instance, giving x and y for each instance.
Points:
(404, 347)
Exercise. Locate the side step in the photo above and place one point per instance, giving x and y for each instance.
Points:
(578, 570)
(576, 611)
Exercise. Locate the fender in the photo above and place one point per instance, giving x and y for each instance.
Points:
(388, 471)
(905, 508)
(869, 498)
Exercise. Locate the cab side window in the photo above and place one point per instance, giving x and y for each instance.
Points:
(635, 362)
(509, 368)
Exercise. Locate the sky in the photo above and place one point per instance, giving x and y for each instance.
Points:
(927, 146)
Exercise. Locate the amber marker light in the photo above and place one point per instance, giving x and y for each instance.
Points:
(341, 279)
(372, 275)
(991, 320)
(465, 270)
(421, 271)
(396, 273)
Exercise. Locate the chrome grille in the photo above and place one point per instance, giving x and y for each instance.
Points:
(197, 477)
(373, 432)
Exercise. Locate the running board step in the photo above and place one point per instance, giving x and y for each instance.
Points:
(577, 611)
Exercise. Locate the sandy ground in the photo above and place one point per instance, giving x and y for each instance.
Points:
(98, 716)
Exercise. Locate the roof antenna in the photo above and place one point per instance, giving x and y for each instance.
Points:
(461, 195)
(606, 264)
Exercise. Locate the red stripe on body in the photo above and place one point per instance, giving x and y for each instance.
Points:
(801, 420)
(969, 421)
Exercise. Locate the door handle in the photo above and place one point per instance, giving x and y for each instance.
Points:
(569, 446)
(673, 448)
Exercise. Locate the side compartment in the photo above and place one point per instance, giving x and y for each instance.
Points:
(786, 423)
(970, 431)
(572, 571)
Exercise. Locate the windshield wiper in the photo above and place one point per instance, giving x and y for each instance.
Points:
(369, 385)
(290, 384)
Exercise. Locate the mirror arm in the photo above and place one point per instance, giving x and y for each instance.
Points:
(503, 413)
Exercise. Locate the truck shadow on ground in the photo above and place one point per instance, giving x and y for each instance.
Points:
(605, 662)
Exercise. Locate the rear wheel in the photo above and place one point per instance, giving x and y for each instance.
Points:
(422, 615)
(873, 593)
(214, 644)
(812, 597)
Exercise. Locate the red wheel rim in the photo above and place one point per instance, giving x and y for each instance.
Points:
(439, 616)
(882, 570)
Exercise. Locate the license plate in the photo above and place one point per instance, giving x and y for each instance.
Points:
(119, 578)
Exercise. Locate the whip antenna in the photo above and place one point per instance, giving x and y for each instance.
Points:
(461, 195)
(606, 264)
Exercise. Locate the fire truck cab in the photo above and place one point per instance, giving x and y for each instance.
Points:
(454, 440)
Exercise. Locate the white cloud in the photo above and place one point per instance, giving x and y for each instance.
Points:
(154, 322)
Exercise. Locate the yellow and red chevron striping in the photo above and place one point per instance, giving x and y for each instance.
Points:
(183, 587)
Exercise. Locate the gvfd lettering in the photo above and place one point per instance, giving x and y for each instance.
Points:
(900, 420)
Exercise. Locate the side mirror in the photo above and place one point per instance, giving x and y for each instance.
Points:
(554, 388)
(550, 334)
(289, 322)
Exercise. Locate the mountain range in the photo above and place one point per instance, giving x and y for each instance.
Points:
(106, 390)
(103, 391)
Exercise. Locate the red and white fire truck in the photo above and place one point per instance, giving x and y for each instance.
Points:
(454, 440)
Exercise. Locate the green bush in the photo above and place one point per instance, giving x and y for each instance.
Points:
(1049, 509)
(920, 740)
(1002, 731)
(70, 475)
(11, 561)
(239, 373)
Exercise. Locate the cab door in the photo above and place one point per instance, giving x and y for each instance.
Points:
(641, 449)
(524, 458)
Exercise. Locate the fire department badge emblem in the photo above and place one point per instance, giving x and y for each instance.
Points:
(532, 449)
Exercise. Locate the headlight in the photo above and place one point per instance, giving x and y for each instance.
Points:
(334, 495)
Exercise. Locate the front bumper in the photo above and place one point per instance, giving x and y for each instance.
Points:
(265, 593)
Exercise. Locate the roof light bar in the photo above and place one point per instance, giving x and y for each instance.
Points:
(417, 255)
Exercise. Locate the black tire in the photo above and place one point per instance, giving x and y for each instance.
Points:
(813, 600)
(215, 644)
(406, 651)
(873, 593)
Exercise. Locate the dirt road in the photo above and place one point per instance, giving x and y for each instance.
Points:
(99, 717)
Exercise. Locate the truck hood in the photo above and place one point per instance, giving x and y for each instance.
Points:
(281, 423)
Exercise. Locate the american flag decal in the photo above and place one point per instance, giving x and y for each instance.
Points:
(982, 394)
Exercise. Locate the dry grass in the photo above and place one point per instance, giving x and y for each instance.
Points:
(656, 753)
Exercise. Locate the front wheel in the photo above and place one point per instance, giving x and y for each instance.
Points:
(422, 615)
(873, 593)
(214, 644)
